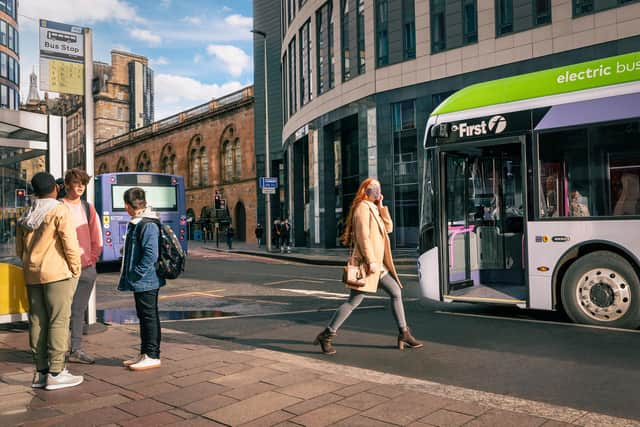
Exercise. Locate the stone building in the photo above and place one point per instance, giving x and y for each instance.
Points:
(211, 145)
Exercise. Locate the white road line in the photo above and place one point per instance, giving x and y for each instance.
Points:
(285, 313)
(325, 294)
(549, 322)
(279, 282)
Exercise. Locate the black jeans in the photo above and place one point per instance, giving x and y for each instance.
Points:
(147, 311)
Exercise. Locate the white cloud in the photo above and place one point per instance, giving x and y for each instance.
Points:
(161, 60)
(165, 3)
(192, 20)
(176, 93)
(121, 48)
(239, 21)
(197, 58)
(226, 9)
(235, 60)
(80, 11)
(145, 35)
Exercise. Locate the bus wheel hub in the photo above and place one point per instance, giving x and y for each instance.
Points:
(603, 294)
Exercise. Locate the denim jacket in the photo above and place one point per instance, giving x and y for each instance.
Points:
(138, 272)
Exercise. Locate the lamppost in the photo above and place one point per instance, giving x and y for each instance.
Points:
(267, 161)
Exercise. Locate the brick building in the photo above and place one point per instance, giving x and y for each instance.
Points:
(211, 145)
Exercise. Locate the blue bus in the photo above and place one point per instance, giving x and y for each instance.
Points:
(165, 196)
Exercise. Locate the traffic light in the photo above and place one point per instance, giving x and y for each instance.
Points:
(21, 198)
(216, 201)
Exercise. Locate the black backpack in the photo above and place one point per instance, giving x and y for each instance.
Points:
(171, 256)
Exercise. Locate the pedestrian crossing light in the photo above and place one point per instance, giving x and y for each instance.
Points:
(21, 198)
(216, 201)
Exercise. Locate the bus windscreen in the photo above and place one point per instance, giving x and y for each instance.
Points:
(159, 198)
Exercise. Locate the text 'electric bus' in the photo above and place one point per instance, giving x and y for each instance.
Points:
(531, 193)
(164, 193)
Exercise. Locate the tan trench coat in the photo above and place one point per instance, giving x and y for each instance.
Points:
(371, 239)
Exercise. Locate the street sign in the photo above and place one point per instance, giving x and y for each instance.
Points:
(268, 183)
(268, 190)
(61, 57)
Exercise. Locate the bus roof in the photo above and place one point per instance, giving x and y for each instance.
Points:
(561, 80)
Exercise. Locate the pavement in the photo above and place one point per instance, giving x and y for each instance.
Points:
(210, 382)
(315, 256)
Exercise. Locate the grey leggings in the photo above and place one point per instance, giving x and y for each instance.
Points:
(389, 285)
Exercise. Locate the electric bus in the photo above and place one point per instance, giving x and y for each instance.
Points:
(531, 193)
(164, 193)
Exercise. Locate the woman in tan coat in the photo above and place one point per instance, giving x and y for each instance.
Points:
(367, 231)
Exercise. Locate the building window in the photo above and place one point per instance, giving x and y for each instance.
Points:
(4, 96)
(237, 159)
(168, 162)
(301, 3)
(3, 33)
(324, 47)
(382, 39)
(405, 171)
(362, 53)
(583, 7)
(408, 29)
(306, 92)
(143, 164)
(122, 165)
(284, 66)
(231, 156)
(204, 166)
(522, 18)
(196, 169)
(291, 10)
(3, 65)
(437, 26)
(453, 24)
(344, 31)
(11, 38)
(292, 77)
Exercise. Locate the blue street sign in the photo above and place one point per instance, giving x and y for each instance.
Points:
(268, 182)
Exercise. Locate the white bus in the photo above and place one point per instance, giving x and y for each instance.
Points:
(531, 193)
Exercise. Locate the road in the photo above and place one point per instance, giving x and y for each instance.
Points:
(281, 306)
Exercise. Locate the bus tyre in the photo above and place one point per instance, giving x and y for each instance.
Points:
(601, 288)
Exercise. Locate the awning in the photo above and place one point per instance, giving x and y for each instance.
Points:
(593, 111)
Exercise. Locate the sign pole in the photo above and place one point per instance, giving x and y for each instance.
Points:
(89, 149)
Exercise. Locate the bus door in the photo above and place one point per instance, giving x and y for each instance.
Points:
(484, 204)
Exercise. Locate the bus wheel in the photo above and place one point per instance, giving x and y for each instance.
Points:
(601, 288)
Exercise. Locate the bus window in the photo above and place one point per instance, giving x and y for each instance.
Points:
(591, 172)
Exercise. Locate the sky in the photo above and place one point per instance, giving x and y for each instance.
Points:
(198, 49)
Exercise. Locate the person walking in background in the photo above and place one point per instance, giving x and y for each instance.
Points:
(367, 229)
(275, 233)
(87, 226)
(138, 275)
(230, 233)
(285, 235)
(259, 234)
(47, 244)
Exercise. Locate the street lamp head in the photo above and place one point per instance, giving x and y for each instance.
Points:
(260, 33)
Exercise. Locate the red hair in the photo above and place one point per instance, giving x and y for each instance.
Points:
(361, 195)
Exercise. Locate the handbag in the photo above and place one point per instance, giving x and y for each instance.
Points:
(352, 273)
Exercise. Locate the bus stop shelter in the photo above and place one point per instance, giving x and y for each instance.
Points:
(29, 143)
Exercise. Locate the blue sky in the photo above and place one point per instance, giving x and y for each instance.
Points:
(198, 49)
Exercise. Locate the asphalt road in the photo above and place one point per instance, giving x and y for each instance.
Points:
(282, 306)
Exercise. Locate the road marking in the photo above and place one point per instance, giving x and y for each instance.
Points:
(284, 313)
(280, 282)
(209, 294)
(325, 294)
(257, 300)
(575, 325)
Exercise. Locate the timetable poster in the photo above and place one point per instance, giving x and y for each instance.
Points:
(61, 76)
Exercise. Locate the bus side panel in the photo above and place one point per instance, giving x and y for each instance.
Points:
(548, 241)
(429, 274)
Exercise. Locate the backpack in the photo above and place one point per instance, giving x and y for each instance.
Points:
(171, 256)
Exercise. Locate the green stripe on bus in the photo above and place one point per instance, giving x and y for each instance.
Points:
(570, 78)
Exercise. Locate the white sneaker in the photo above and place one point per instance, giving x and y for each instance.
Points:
(39, 380)
(131, 361)
(63, 380)
(145, 363)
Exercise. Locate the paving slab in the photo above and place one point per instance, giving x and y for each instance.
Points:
(325, 416)
(251, 409)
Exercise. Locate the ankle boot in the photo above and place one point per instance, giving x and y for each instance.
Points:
(324, 339)
(405, 338)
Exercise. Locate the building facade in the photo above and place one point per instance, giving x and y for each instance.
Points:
(211, 145)
(359, 79)
(9, 55)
